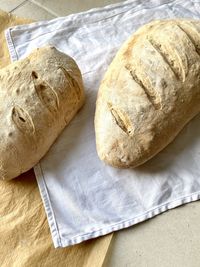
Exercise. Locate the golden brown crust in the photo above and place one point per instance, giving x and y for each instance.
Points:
(39, 96)
(153, 87)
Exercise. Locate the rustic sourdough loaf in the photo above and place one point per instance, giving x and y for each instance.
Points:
(39, 96)
(149, 92)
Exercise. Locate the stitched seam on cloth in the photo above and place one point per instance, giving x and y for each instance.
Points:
(11, 45)
(149, 211)
(50, 216)
(95, 21)
(93, 10)
(77, 25)
(125, 224)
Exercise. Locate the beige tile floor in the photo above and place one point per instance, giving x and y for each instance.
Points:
(169, 240)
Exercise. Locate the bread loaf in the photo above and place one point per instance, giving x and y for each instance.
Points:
(39, 96)
(149, 92)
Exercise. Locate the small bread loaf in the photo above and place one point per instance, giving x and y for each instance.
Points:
(39, 96)
(149, 92)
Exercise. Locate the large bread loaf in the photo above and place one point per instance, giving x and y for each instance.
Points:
(150, 91)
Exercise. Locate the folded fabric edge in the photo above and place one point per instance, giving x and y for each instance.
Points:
(60, 242)
(47, 205)
(91, 11)
(10, 44)
(131, 222)
(84, 14)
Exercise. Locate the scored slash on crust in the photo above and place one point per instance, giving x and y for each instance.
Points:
(46, 93)
(191, 38)
(22, 120)
(158, 48)
(122, 120)
(152, 95)
(73, 83)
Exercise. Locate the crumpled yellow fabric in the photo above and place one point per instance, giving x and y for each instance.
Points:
(25, 238)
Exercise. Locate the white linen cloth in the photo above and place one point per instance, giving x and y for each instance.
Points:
(83, 197)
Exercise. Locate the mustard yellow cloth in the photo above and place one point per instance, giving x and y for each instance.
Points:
(25, 239)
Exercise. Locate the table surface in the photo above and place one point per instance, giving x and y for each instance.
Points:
(170, 239)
